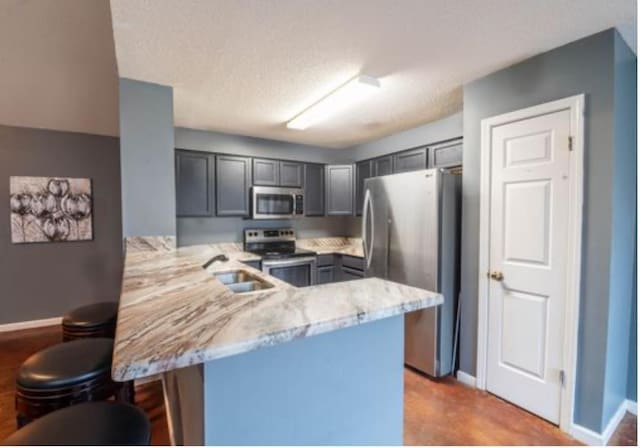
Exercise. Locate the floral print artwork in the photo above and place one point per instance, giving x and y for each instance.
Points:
(50, 209)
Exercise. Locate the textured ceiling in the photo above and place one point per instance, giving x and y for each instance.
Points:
(57, 66)
(248, 66)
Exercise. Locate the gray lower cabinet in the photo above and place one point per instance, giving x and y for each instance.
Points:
(291, 174)
(195, 186)
(233, 184)
(446, 155)
(412, 160)
(364, 170)
(339, 181)
(314, 189)
(326, 274)
(294, 275)
(339, 268)
(266, 172)
(383, 166)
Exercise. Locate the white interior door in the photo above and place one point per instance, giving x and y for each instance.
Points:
(528, 252)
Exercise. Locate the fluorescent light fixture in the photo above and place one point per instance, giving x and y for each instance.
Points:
(344, 96)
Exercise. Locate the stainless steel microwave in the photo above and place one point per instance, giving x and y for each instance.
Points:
(277, 203)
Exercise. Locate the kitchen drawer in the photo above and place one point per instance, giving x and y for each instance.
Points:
(353, 262)
(326, 260)
(351, 274)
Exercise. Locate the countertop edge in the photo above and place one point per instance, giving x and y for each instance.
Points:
(134, 371)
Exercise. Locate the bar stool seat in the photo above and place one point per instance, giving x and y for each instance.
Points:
(95, 320)
(65, 374)
(96, 423)
(65, 365)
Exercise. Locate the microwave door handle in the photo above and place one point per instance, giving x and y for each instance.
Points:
(293, 205)
(365, 212)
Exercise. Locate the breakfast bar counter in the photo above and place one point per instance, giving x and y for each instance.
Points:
(280, 365)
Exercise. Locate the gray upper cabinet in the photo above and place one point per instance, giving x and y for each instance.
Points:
(446, 155)
(339, 188)
(364, 170)
(278, 173)
(412, 160)
(233, 184)
(195, 187)
(266, 172)
(383, 166)
(291, 174)
(313, 189)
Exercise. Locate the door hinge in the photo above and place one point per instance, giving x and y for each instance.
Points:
(562, 377)
(570, 143)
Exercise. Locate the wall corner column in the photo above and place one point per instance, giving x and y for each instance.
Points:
(147, 160)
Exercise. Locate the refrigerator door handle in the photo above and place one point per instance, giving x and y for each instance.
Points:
(365, 211)
(373, 230)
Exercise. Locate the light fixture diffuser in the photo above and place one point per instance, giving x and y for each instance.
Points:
(353, 91)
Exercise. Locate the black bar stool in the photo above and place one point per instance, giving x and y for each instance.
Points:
(66, 374)
(97, 423)
(97, 320)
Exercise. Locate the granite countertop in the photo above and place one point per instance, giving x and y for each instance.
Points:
(173, 313)
(333, 245)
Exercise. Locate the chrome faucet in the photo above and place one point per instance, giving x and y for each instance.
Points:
(220, 257)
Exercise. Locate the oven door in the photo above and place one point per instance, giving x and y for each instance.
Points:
(273, 203)
(295, 271)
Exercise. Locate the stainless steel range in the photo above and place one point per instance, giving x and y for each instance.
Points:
(280, 256)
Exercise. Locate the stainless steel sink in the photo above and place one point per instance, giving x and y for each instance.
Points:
(235, 277)
(242, 281)
(243, 287)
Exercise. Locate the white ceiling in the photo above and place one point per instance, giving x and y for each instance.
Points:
(57, 66)
(248, 66)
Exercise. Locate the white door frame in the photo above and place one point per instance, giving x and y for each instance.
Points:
(576, 105)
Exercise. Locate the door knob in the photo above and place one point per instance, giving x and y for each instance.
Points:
(496, 275)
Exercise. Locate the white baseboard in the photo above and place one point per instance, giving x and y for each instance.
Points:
(465, 378)
(589, 437)
(632, 406)
(14, 326)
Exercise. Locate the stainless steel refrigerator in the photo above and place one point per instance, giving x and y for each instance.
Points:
(410, 231)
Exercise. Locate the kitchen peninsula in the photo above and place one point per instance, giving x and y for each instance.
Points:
(282, 365)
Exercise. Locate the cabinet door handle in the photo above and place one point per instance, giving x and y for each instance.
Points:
(496, 275)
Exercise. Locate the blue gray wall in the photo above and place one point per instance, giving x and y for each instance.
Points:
(623, 232)
(146, 159)
(436, 131)
(44, 280)
(211, 141)
(585, 66)
(339, 388)
(632, 377)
